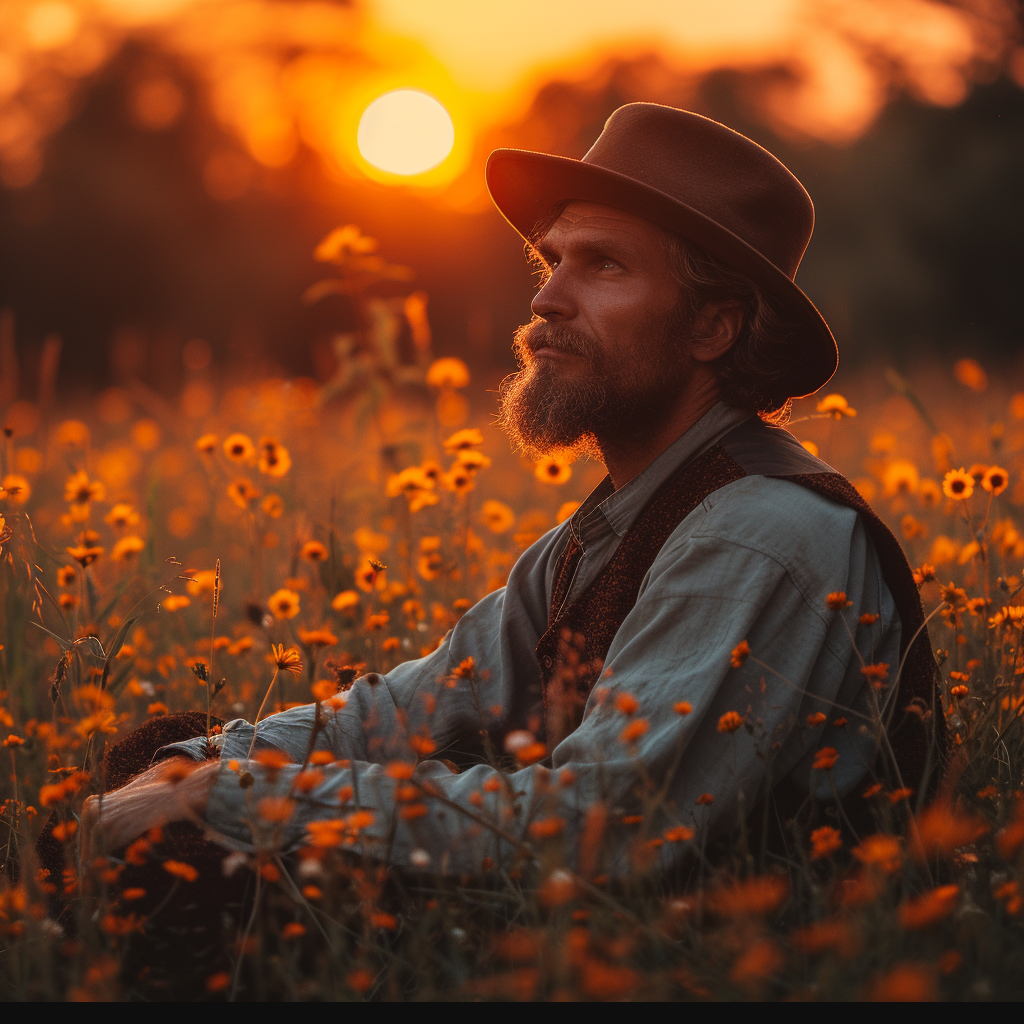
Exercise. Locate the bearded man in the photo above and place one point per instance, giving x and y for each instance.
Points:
(720, 577)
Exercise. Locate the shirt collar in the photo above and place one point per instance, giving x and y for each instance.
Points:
(621, 507)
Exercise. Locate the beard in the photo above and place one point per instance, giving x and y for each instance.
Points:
(545, 410)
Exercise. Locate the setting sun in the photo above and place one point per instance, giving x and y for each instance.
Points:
(405, 132)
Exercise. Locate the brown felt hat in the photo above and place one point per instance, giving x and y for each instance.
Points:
(699, 179)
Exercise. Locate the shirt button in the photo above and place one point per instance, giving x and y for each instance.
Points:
(547, 661)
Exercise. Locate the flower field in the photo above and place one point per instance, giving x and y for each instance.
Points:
(252, 546)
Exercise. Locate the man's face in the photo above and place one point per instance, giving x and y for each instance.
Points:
(605, 357)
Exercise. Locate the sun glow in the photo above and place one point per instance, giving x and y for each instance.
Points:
(405, 132)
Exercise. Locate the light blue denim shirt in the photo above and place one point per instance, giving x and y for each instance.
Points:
(755, 561)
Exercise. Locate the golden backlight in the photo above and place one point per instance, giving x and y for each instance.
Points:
(405, 132)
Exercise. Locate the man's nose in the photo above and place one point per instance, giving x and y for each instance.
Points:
(554, 301)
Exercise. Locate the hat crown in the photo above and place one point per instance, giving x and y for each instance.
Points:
(714, 170)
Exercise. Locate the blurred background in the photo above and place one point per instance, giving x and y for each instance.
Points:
(168, 167)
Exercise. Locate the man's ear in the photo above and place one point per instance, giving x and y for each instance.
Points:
(715, 330)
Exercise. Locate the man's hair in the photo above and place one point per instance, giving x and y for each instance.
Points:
(752, 373)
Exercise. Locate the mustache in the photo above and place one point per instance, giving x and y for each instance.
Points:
(560, 337)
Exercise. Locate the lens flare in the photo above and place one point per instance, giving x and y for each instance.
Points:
(405, 132)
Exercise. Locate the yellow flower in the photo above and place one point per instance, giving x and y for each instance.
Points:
(239, 448)
(284, 604)
(410, 481)
(242, 491)
(274, 457)
(175, 602)
(739, 654)
(957, 484)
(207, 444)
(461, 440)
(313, 551)
(369, 575)
(836, 406)
(127, 547)
(552, 470)
(66, 576)
(15, 489)
(317, 637)
(995, 480)
(448, 372)
(730, 721)
(273, 506)
(85, 554)
(202, 582)
(458, 479)
(497, 516)
(346, 601)
(286, 660)
(930, 492)
(80, 490)
(900, 476)
(122, 514)
(472, 460)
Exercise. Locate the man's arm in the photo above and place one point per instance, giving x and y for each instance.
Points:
(171, 790)
(706, 593)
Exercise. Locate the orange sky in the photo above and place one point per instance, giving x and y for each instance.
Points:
(280, 73)
(497, 47)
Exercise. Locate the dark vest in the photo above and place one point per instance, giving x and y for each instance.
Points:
(572, 651)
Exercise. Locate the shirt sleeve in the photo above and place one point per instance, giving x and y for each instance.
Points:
(674, 734)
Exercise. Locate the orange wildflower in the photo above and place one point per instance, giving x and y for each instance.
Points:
(739, 654)
(552, 470)
(730, 721)
(837, 601)
(905, 983)
(286, 660)
(284, 604)
(545, 828)
(995, 480)
(825, 841)
(634, 730)
(682, 707)
(678, 834)
(942, 829)
(274, 457)
(180, 870)
(313, 551)
(928, 908)
(957, 484)
(626, 703)
(825, 759)
(816, 718)
(238, 448)
(880, 851)
(275, 808)
(835, 406)
(754, 896)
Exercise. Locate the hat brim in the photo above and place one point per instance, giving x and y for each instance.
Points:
(525, 186)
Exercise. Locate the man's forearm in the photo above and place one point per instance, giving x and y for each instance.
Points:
(173, 790)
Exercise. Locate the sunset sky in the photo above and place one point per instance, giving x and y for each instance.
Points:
(279, 74)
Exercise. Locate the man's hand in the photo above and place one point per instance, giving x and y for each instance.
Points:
(173, 790)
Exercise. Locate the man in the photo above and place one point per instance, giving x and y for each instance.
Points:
(719, 577)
